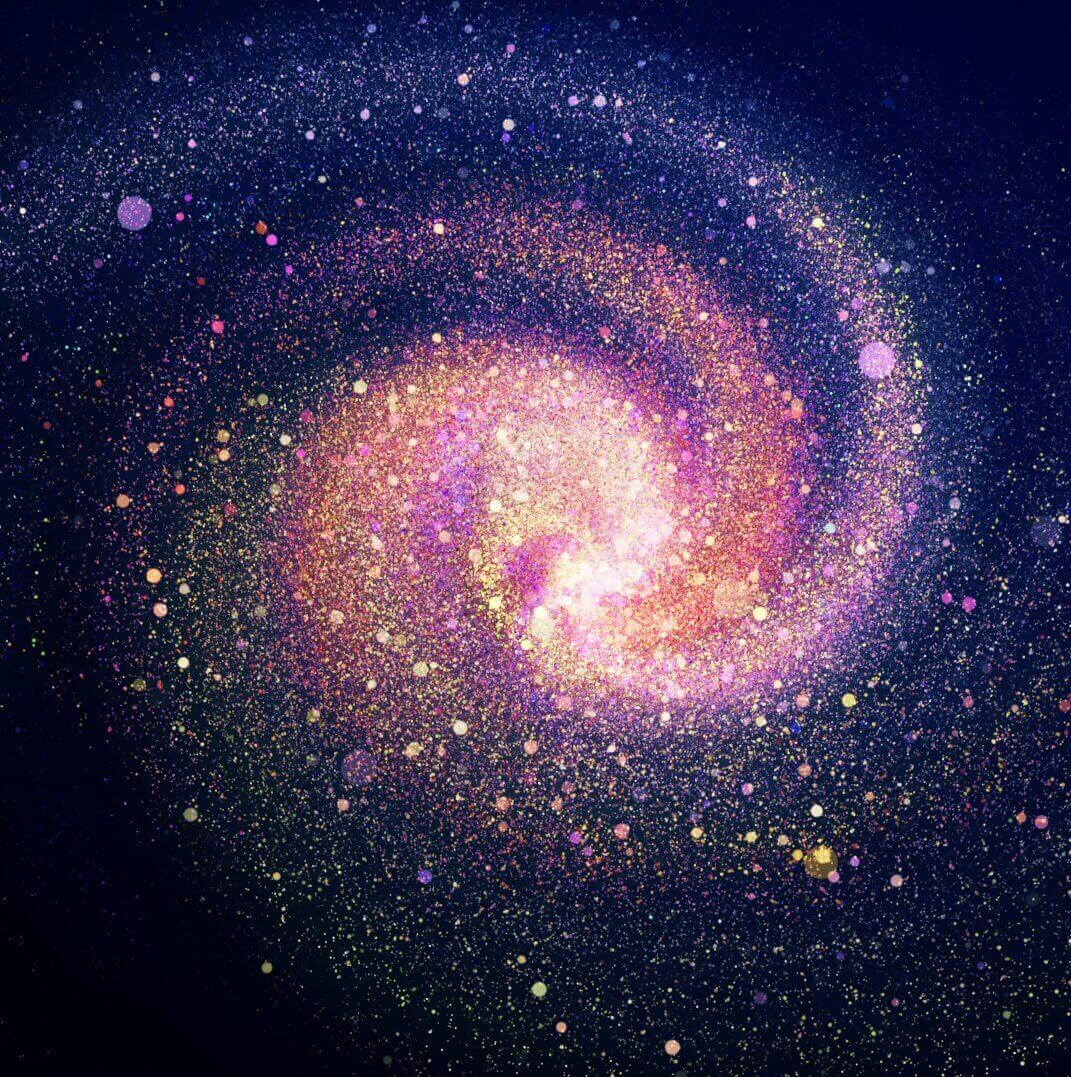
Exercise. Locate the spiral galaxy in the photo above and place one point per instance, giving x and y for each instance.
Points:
(526, 579)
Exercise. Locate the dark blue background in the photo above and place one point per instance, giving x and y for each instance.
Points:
(106, 965)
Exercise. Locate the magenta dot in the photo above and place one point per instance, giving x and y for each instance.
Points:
(359, 767)
(134, 213)
(877, 360)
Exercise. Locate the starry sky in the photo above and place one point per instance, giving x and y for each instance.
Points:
(535, 539)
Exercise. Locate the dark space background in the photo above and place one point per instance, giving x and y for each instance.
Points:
(105, 965)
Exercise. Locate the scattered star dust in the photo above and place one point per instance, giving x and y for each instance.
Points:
(551, 561)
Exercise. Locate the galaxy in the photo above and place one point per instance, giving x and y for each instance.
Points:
(535, 542)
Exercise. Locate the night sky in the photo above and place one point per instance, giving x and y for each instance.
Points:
(535, 539)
